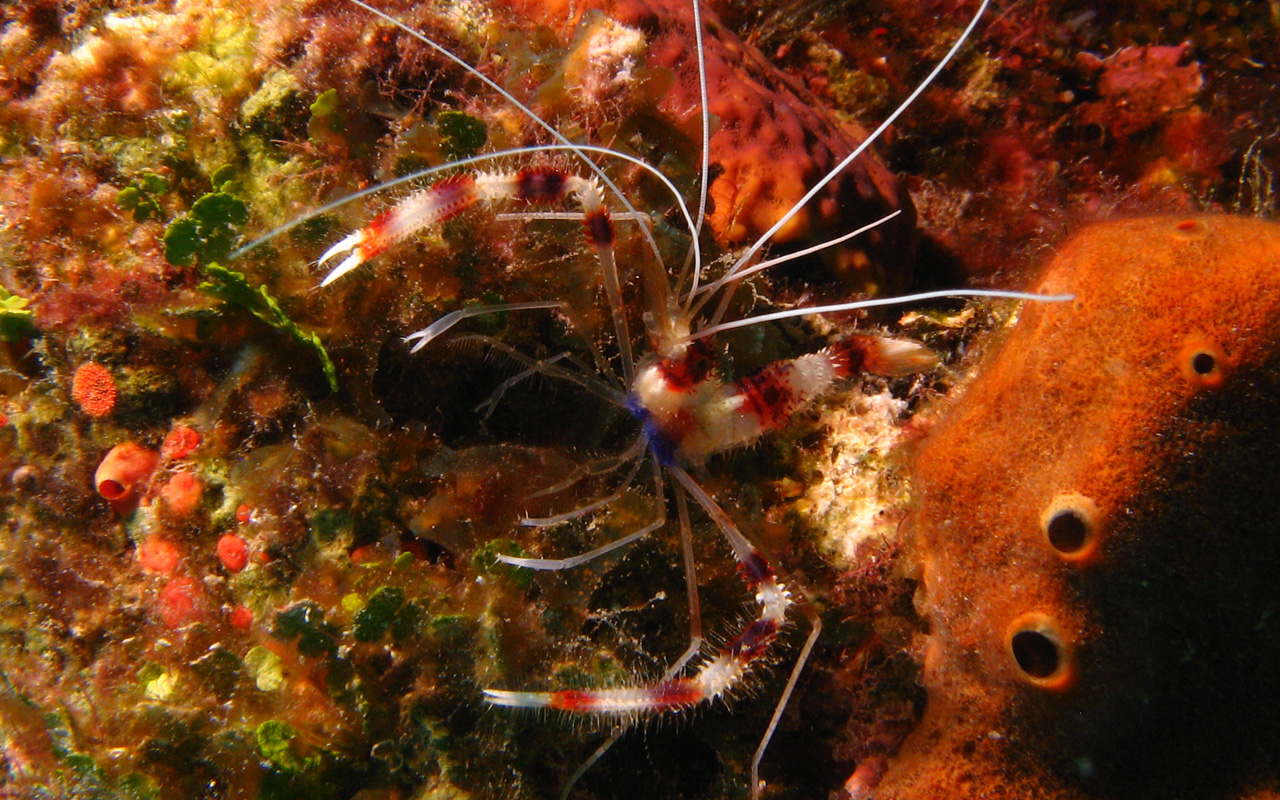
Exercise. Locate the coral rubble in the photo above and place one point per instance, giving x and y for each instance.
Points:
(1095, 528)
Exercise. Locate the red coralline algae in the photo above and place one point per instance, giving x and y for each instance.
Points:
(1140, 86)
(1099, 590)
(233, 552)
(94, 390)
(118, 70)
(241, 618)
(366, 554)
(182, 494)
(179, 442)
(181, 602)
(160, 556)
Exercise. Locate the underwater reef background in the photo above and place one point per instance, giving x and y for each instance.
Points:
(249, 541)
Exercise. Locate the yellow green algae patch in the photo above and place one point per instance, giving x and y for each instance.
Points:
(1095, 531)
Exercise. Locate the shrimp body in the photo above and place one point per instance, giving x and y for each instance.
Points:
(689, 413)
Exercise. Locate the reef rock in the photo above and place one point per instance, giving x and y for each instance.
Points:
(1096, 532)
(771, 141)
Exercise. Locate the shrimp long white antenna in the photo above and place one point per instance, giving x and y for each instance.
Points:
(710, 289)
(738, 266)
(773, 262)
(705, 112)
(877, 303)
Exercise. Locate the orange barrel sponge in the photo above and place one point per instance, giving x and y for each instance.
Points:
(1097, 534)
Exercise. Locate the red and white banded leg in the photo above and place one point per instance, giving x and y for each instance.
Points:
(448, 198)
(713, 678)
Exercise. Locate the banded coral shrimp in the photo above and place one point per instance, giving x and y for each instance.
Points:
(685, 410)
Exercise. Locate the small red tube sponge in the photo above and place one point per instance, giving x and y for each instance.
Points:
(125, 470)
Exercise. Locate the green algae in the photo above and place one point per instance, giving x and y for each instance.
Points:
(141, 196)
(234, 288)
(266, 669)
(461, 135)
(275, 743)
(387, 611)
(205, 236)
(219, 65)
(207, 233)
(16, 319)
(326, 103)
(157, 682)
(304, 624)
(298, 770)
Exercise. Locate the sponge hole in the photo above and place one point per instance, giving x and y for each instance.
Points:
(1203, 362)
(1070, 525)
(1039, 651)
(1036, 654)
(1067, 531)
(1190, 229)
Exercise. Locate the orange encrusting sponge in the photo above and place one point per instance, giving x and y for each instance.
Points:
(1098, 531)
